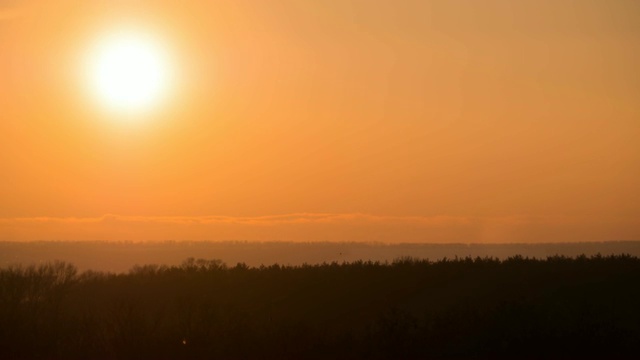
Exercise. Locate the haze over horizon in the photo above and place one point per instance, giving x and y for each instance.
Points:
(453, 121)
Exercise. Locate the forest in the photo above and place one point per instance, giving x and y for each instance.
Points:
(519, 307)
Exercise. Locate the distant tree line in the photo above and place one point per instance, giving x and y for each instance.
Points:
(557, 307)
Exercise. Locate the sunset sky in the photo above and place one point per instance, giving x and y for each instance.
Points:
(334, 120)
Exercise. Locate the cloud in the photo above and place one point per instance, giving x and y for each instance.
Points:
(322, 227)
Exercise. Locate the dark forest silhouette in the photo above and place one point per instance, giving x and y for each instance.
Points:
(515, 308)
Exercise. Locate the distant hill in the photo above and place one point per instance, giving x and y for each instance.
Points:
(122, 256)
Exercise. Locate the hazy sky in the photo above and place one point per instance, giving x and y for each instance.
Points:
(434, 121)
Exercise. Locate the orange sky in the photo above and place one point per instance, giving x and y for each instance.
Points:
(415, 120)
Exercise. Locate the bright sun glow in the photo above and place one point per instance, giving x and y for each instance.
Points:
(129, 72)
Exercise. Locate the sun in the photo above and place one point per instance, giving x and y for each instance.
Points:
(129, 72)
